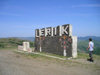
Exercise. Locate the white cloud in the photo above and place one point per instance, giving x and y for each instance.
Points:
(86, 5)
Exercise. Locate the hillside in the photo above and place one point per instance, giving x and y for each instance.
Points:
(87, 37)
(83, 44)
(26, 38)
(12, 42)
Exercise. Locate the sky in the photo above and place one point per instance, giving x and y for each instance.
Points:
(20, 18)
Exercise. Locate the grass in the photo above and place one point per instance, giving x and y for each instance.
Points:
(30, 55)
(49, 59)
(12, 42)
(81, 55)
(86, 55)
(83, 44)
(53, 55)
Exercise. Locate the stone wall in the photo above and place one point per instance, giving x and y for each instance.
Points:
(57, 40)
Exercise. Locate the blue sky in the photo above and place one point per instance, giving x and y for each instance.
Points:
(19, 18)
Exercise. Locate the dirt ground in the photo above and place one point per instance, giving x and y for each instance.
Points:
(12, 63)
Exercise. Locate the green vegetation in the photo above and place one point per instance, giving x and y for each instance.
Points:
(83, 44)
(52, 54)
(12, 42)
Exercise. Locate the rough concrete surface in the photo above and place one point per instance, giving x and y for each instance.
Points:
(12, 63)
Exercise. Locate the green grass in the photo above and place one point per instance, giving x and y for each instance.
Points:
(53, 54)
(49, 59)
(83, 44)
(81, 55)
(12, 42)
(29, 54)
(86, 55)
(35, 56)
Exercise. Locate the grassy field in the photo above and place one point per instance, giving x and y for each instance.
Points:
(12, 42)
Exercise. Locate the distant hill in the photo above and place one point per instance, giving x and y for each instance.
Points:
(79, 38)
(87, 37)
(26, 38)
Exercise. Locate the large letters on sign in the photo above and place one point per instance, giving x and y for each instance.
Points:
(60, 30)
(57, 40)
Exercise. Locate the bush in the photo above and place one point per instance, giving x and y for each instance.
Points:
(31, 44)
(2, 45)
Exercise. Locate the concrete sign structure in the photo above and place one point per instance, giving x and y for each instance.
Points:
(57, 40)
(25, 47)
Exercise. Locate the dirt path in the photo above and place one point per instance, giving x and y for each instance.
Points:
(12, 63)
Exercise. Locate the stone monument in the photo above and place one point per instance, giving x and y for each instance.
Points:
(57, 40)
(25, 47)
